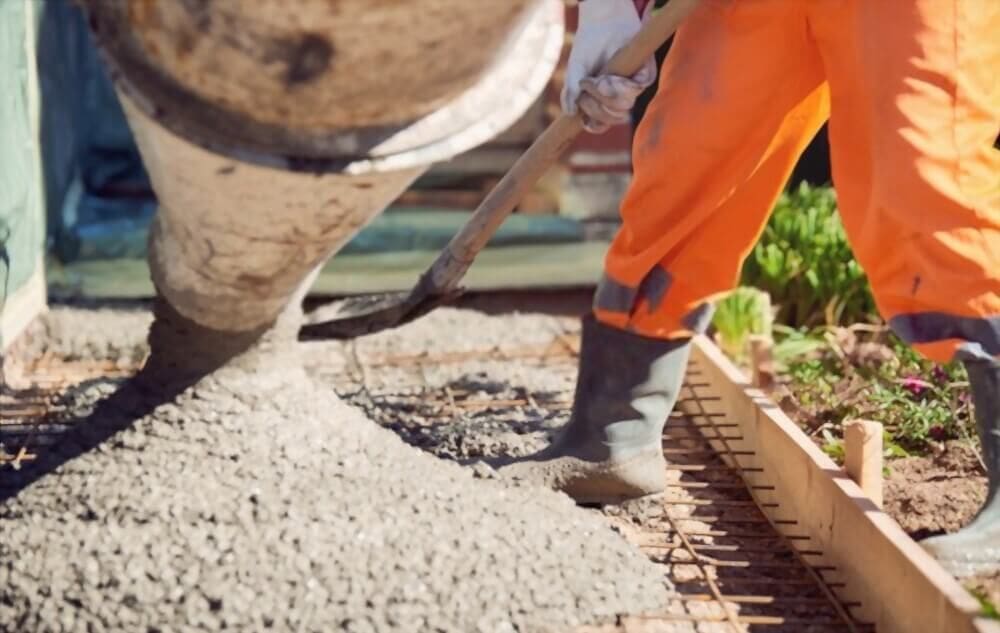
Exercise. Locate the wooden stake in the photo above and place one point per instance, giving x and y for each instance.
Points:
(762, 362)
(863, 456)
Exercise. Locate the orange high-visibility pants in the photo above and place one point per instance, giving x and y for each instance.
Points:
(912, 92)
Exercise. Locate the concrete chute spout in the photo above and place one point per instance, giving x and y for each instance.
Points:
(273, 134)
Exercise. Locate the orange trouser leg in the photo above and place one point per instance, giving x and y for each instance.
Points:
(915, 91)
(741, 95)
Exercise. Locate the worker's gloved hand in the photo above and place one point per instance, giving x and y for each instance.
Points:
(605, 26)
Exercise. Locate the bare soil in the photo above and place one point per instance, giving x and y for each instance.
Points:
(937, 493)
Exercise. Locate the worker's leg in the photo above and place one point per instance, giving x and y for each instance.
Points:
(915, 113)
(976, 548)
(740, 97)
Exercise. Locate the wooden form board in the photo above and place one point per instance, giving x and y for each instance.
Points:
(21, 308)
(902, 589)
(22, 217)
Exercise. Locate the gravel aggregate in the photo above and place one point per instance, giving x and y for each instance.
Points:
(253, 502)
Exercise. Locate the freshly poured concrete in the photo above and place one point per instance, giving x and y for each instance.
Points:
(256, 501)
(100, 334)
(488, 374)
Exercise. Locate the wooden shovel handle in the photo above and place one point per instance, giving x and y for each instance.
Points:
(451, 265)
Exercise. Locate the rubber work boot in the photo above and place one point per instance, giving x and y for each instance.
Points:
(975, 549)
(611, 448)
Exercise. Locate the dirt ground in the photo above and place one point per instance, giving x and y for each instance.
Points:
(937, 494)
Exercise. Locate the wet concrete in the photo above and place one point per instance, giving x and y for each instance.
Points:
(525, 361)
(534, 387)
(100, 334)
(259, 499)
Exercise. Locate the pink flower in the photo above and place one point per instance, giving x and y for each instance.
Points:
(937, 433)
(939, 374)
(914, 385)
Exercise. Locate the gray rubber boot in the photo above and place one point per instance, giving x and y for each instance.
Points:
(975, 549)
(611, 448)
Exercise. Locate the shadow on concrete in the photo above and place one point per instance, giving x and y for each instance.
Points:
(84, 432)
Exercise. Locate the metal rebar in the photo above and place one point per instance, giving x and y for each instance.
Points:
(712, 586)
(816, 576)
(760, 600)
(28, 416)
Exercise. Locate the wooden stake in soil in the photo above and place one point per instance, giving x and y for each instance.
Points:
(762, 362)
(863, 456)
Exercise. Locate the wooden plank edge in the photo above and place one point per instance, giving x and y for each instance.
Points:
(902, 588)
(24, 305)
(21, 308)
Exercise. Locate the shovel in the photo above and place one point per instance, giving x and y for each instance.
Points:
(439, 284)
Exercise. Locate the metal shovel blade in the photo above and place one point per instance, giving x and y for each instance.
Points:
(368, 314)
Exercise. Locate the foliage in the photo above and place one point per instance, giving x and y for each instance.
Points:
(989, 610)
(804, 267)
(793, 343)
(741, 314)
(841, 375)
(804, 262)
(833, 446)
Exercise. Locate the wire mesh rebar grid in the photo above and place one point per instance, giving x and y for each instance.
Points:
(732, 559)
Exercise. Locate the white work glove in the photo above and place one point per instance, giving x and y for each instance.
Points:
(605, 26)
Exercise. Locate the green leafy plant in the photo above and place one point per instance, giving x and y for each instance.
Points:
(803, 266)
(804, 262)
(744, 312)
(891, 449)
(833, 446)
(876, 377)
(989, 610)
(792, 344)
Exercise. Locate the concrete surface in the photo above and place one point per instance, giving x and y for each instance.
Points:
(251, 502)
